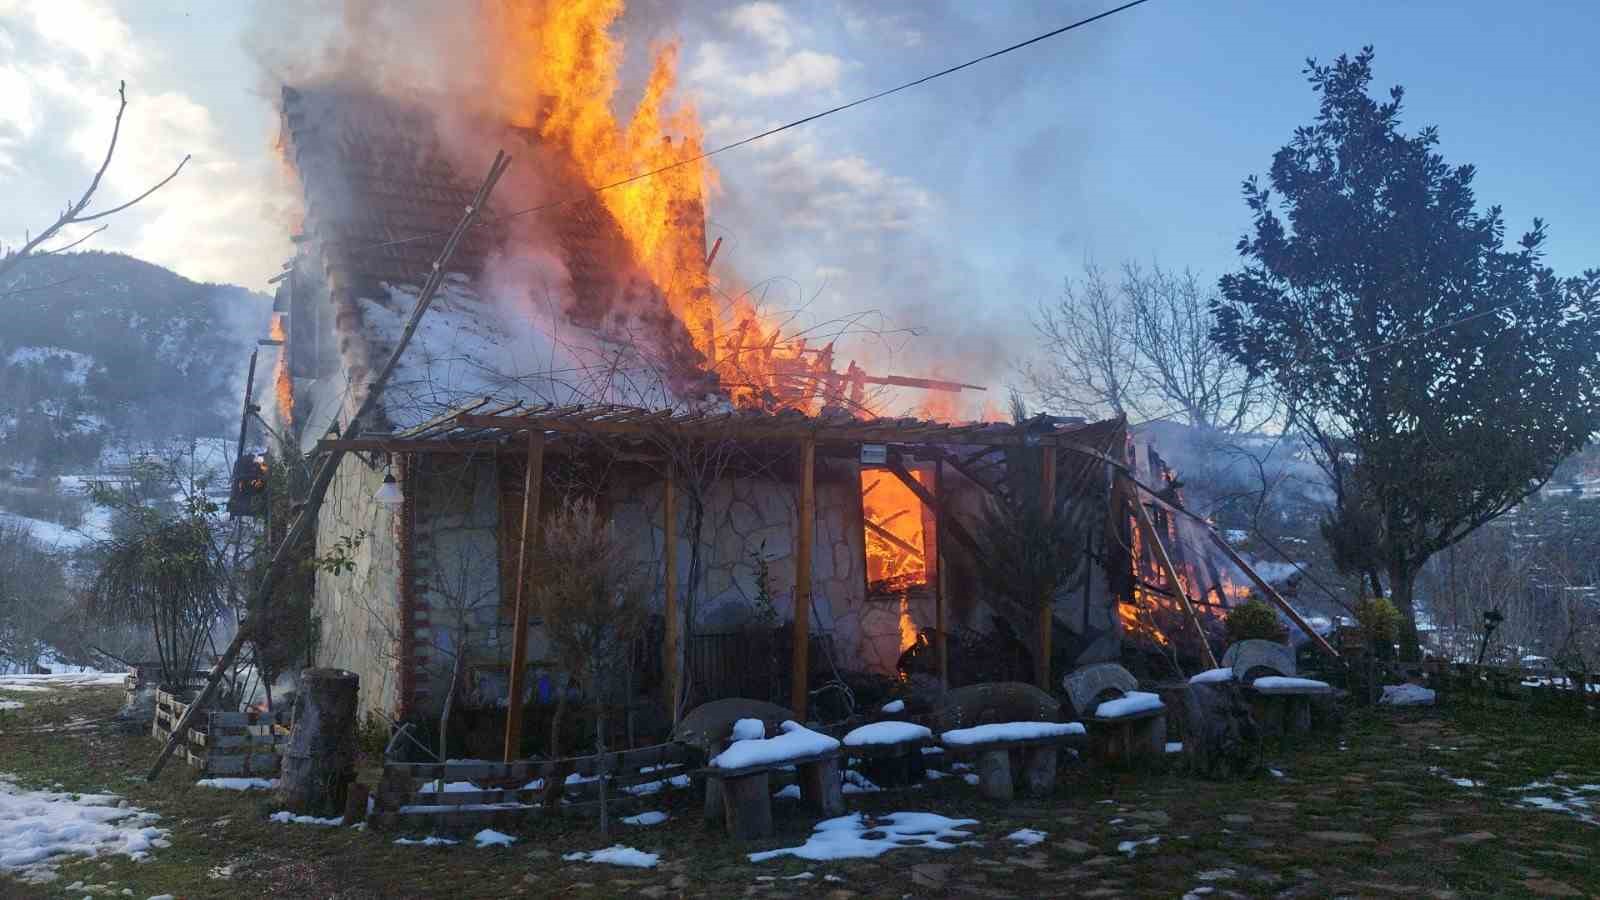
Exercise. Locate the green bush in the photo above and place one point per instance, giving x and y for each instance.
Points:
(1380, 621)
(1254, 620)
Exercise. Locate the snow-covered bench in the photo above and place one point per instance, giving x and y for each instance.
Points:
(1125, 724)
(892, 750)
(744, 772)
(1036, 743)
(1280, 701)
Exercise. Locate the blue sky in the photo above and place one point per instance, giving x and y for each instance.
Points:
(954, 207)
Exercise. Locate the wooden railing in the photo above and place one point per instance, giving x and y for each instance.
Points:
(508, 793)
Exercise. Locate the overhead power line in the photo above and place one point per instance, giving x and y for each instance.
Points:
(780, 128)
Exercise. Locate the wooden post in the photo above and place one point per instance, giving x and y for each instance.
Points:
(800, 669)
(534, 478)
(672, 641)
(940, 602)
(1047, 606)
(1165, 562)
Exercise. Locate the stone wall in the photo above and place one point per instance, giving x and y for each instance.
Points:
(359, 609)
(750, 519)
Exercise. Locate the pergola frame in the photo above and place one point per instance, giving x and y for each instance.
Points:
(484, 427)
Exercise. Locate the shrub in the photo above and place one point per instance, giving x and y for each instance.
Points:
(1380, 621)
(1254, 620)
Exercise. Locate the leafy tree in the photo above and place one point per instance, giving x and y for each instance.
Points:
(1441, 375)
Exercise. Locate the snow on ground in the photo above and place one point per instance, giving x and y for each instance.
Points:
(1209, 676)
(11, 704)
(1581, 801)
(1458, 782)
(846, 836)
(616, 855)
(51, 534)
(1027, 837)
(491, 838)
(36, 826)
(429, 841)
(1132, 847)
(286, 817)
(894, 706)
(886, 733)
(653, 817)
(59, 681)
(1133, 703)
(796, 741)
(1406, 695)
(1010, 731)
(238, 784)
(1174, 746)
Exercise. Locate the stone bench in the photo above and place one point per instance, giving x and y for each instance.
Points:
(1036, 744)
(746, 792)
(890, 750)
(1280, 702)
(1125, 725)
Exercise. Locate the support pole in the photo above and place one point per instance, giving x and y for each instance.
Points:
(940, 603)
(1165, 562)
(800, 669)
(672, 642)
(301, 527)
(1047, 606)
(532, 481)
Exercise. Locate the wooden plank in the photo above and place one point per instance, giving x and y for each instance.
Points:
(527, 770)
(519, 635)
(799, 692)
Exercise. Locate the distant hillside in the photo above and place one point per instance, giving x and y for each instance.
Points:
(101, 351)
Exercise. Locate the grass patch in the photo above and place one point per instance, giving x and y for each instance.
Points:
(1376, 818)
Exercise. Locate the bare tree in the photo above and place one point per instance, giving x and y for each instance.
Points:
(76, 212)
(592, 602)
(1141, 347)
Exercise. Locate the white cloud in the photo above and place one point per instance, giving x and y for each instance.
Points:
(806, 70)
(219, 220)
(766, 21)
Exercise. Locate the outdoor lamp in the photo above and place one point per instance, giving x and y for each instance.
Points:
(389, 493)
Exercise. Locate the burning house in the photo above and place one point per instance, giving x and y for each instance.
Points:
(579, 345)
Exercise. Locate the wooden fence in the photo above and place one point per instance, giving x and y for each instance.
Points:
(504, 794)
(244, 744)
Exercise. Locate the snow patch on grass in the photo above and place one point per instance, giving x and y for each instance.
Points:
(287, 818)
(858, 836)
(653, 817)
(1027, 837)
(616, 855)
(491, 838)
(36, 826)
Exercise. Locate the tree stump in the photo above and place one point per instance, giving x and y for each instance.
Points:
(822, 788)
(319, 763)
(994, 775)
(1039, 771)
(1220, 738)
(747, 802)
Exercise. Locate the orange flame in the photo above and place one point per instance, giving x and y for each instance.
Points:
(558, 66)
(897, 545)
(282, 382)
